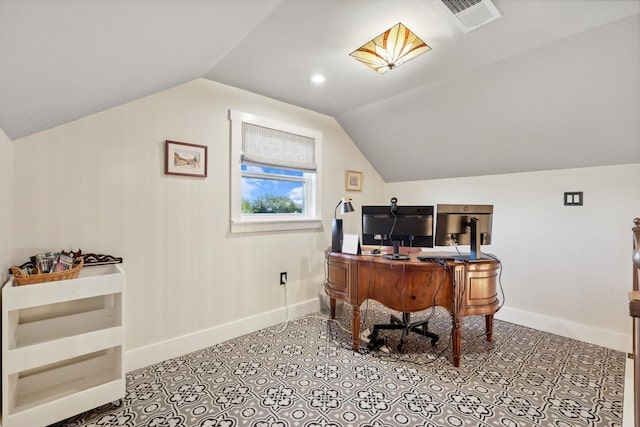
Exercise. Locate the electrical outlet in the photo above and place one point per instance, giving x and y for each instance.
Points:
(283, 278)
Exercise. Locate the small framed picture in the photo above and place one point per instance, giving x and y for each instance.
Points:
(353, 181)
(185, 159)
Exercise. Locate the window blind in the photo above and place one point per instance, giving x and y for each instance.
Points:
(264, 146)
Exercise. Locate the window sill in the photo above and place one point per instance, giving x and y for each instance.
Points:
(248, 226)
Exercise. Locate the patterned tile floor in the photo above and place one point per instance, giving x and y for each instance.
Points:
(305, 374)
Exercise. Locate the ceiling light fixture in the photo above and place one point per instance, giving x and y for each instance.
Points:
(390, 49)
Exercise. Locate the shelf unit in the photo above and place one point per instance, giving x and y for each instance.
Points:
(62, 346)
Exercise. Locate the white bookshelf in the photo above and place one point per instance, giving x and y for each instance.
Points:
(62, 346)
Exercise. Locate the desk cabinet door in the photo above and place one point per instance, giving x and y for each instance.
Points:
(340, 277)
(481, 296)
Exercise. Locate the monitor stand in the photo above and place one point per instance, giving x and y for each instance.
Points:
(468, 257)
(396, 253)
(475, 253)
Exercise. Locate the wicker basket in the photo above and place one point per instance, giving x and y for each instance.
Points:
(20, 277)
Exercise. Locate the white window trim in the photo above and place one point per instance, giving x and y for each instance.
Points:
(242, 224)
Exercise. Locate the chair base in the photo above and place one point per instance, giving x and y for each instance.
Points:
(406, 326)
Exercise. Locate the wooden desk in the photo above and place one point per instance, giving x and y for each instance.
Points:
(463, 288)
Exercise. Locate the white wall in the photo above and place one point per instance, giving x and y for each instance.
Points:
(566, 269)
(6, 206)
(98, 184)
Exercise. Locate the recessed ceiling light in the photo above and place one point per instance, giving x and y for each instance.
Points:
(318, 78)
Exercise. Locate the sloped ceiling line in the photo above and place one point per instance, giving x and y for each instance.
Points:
(61, 60)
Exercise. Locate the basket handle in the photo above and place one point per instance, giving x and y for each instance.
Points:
(78, 262)
(18, 273)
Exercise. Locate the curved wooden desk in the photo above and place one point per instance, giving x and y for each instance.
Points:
(463, 288)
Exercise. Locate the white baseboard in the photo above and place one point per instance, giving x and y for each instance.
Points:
(614, 340)
(148, 355)
(144, 356)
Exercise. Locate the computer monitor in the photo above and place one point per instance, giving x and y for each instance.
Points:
(464, 225)
(397, 226)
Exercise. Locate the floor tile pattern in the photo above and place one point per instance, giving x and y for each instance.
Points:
(304, 373)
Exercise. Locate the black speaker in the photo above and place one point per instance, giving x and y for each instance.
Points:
(336, 235)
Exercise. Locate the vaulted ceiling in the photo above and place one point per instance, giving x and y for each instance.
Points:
(551, 84)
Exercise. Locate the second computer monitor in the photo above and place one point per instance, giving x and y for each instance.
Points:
(464, 225)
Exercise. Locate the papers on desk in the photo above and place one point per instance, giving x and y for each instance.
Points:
(351, 244)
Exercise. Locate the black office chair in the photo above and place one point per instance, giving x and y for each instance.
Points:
(406, 326)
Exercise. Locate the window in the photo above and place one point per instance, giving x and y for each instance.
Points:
(274, 171)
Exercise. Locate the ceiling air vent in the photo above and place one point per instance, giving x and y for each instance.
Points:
(471, 14)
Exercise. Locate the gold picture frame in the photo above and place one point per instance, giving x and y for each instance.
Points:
(353, 180)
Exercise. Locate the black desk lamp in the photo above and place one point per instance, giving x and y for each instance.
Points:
(336, 226)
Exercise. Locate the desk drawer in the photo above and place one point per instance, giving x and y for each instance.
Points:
(340, 276)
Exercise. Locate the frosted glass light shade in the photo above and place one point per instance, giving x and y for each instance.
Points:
(390, 49)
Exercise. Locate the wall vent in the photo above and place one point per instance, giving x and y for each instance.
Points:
(471, 14)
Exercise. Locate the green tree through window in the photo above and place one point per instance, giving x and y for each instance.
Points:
(269, 203)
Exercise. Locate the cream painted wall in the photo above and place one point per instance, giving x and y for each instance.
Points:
(98, 184)
(569, 264)
(6, 206)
